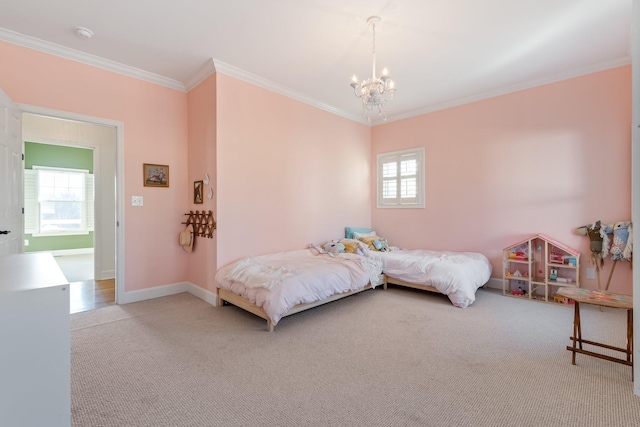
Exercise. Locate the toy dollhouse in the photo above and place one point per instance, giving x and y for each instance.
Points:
(537, 267)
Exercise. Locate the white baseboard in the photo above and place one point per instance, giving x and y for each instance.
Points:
(106, 274)
(203, 294)
(151, 293)
(166, 290)
(494, 283)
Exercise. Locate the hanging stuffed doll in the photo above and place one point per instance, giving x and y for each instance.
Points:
(599, 242)
(622, 245)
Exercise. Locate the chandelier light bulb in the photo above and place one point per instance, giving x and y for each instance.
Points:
(354, 79)
(385, 72)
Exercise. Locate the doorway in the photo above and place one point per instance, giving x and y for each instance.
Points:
(59, 214)
(104, 139)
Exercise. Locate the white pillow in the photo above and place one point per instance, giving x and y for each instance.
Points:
(357, 235)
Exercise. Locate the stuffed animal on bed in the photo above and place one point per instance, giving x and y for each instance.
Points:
(334, 247)
(376, 243)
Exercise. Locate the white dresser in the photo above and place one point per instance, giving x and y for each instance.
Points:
(35, 342)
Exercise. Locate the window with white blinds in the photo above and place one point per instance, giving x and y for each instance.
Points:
(401, 179)
(58, 201)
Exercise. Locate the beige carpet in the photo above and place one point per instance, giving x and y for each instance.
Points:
(381, 358)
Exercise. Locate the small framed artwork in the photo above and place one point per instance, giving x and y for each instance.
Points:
(198, 192)
(155, 175)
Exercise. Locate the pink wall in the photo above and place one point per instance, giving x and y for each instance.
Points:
(202, 160)
(543, 160)
(288, 174)
(155, 131)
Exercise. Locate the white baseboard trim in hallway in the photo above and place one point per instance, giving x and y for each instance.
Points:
(166, 290)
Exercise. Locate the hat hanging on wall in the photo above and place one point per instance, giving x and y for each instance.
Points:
(186, 238)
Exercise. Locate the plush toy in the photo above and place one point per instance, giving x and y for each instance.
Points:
(376, 243)
(622, 245)
(334, 247)
(599, 241)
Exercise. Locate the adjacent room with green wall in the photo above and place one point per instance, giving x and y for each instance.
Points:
(37, 154)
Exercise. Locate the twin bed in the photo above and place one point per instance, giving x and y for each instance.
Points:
(456, 274)
(277, 285)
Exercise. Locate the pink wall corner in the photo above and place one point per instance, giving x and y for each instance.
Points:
(543, 160)
(202, 160)
(289, 174)
(155, 131)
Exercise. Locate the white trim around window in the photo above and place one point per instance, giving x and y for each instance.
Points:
(400, 179)
(35, 198)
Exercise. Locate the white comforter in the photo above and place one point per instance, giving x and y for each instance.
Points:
(455, 274)
(277, 282)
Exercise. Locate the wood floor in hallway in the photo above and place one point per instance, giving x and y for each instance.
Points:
(92, 294)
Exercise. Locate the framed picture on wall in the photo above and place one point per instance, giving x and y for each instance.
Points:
(198, 192)
(155, 175)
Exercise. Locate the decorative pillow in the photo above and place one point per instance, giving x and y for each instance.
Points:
(376, 243)
(359, 236)
(351, 246)
(348, 231)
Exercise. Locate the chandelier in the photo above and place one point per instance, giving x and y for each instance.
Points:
(374, 91)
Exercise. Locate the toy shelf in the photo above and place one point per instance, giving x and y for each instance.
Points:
(537, 267)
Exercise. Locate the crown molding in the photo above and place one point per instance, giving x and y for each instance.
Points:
(85, 58)
(214, 65)
(626, 60)
(207, 69)
(248, 77)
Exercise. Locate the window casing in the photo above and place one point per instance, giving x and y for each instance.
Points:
(58, 201)
(400, 179)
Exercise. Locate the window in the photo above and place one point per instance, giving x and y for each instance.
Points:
(401, 179)
(58, 201)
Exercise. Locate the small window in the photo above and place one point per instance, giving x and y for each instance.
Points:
(58, 201)
(401, 179)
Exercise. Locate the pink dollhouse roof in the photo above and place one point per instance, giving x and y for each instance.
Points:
(554, 242)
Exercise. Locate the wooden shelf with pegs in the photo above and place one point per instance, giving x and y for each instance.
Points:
(203, 223)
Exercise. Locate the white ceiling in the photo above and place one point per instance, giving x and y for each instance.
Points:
(439, 52)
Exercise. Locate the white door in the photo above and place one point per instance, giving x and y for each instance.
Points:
(10, 177)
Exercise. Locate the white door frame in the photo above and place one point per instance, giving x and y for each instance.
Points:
(120, 260)
(11, 217)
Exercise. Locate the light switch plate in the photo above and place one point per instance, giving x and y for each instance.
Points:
(137, 201)
(591, 273)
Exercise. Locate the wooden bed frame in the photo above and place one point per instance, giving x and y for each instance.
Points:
(243, 303)
(414, 285)
(408, 284)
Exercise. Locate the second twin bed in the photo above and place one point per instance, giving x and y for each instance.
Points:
(277, 285)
